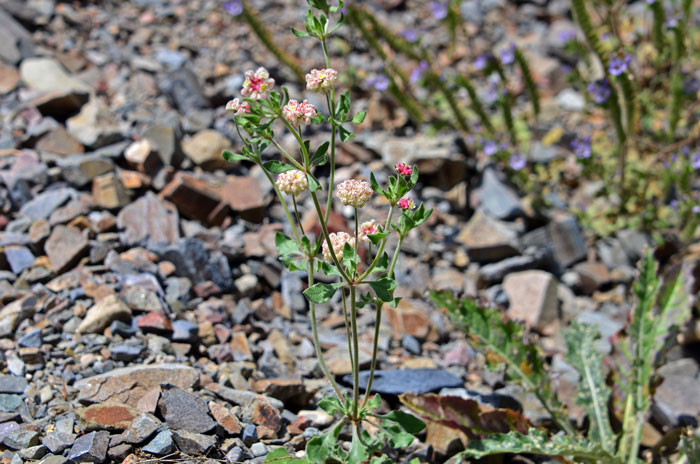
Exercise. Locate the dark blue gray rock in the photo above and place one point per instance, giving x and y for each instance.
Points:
(21, 439)
(411, 344)
(194, 444)
(141, 429)
(162, 444)
(126, 351)
(498, 199)
(192, 260)
(58, 442)
(10, 403)
(91, 447)
(19, 259)
(12, 384)
(185, 331)
(182, 410)
(676, 401)
(46, 203)
(123, 329)
(31, 339)
(398, 381)
(250, 434)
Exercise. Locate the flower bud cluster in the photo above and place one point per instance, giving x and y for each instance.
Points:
(355, 193)
(403, 169)
(406, 203)
(292, 182)
(237, 107)
(257, 85)
(321, 80)
(368, 228)
(338, 241)
(296, 112)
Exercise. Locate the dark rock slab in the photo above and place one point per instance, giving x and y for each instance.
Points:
(567, 241)
(149, 218)
(21, 439)
(398, 381)
(12, 384)
(91, 447)
(58, 442)
(676, 401)
(160, 445)
(192, 260)
(182, 410)
(497, 198)
(141, 429)
(194, 444)
(184, 90)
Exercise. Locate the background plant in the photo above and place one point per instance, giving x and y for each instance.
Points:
(337, 255)
(661, 308)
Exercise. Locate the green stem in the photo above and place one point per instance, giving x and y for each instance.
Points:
(283, 203)
(347, 323)
(287, 155)
(314, 330)
(357, 243)
(379, 251)
(296, 213)
(356, 354)
(326, 236)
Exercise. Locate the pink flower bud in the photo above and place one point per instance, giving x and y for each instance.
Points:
(296, 112)
(338, 241)
(368, 228)
(406, 203)
(237, 107)
(321, 80)
(257, 85)
(292, 182)
(403, 169)
(355, 193)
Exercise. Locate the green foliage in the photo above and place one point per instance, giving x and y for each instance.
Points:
(584, 21)
(660, 310)
(476, 104)
(529, 81)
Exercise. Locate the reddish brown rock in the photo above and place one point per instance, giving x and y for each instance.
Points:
(65, 247)
(245, 197)
(155, 321)
(130, 384)
(240, 348)
(9, 78)
(196, 199)
(409, 317)
(110, 416)
(267, 417)
(60, 142)
(149, 218)
(225, 418)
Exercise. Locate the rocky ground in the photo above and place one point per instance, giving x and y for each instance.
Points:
(143, 312)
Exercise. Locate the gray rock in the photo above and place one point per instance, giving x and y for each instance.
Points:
(10, 403)
(419, 381)
(53, 459)
(184, 90)
(685, 366)
(46, 203)
(249, 435)
(182, 410)
(676, 401)
(80, 170)
(162, 444)
(185, 331)
(496, 198)
(539, 258)
(91, 447)
(126, 351)
(567, 241)
(141, 429)
(165, 141)
(612, 253)
(411, 344)
(571, 100)
(58, 442)
(194, 444)
(94, 126)
(487, 239)
(258, 449)
(19, 259)
(192, 260)
(149, 218)
(235, 455)
(634, 242)
(31, 339)
(12, 384)
(7, 428)
(47, 75)
(33, 452)
(16, 40)
(21, 439)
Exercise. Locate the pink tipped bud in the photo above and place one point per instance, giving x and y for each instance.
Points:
(257, 85)
(406, 204)
(296, 112)
(403, 169)
(338, 241)
(237, 107)
(321, 80)
(355, 193)
(368, 228)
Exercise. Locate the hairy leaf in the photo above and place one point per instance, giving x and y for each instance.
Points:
(536, 442)
(320, 293)
(285, 245)
(231, 157)
(282, 456)
(277, 167)
(593, 394)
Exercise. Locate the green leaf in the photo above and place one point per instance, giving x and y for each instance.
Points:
(535, 442)
(378, 237)
(358, 453)
(320, 293)
(330, 269)
(383, 263)
(384, 288)
(285, 245)
(350, 260)
(398, 437)
(331, 405)
(374, 402)
(375, 185)
(345, 134)
(320, 151)
(282, 456)
(359, 117)
(277, 167)
(299, 33)
(313, 182)
(408, 422)
(231, 157)
(593, 394)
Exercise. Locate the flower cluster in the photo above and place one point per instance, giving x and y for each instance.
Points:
(600, 90)
(582, 147)
(257, 85)
(292, 182)
(368, 228)
(321, 80)
(404, 169)
(618, 65)
(490, 148)
(237, 107)
(517, 162)
(406, 203)
(338, 241)
(355, 193)
(296, 112)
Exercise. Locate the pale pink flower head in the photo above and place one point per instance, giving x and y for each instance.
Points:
(237, 107)
(406, 203)
(404, 169)
(338, 241)
(296, 112)
(355, 193)
(321, 80)
(292, 182)
(257, 85)
(368, 228)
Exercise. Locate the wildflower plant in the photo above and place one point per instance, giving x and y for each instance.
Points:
(361, 282)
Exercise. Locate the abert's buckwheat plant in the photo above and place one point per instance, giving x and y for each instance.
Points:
(337, 255)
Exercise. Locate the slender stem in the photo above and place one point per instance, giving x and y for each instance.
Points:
(357, 234)
(356, 348)
(314, 197)
(314, 330)
(287, 155)
(296, 213)
(347, 323)
(380, 251)
(375, 349)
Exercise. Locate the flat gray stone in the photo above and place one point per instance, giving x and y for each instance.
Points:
(12, 384)
(498, 199)
(91, 447)
(182, 410)
(21, 439)
(162, 444)
(398, 381)
(194, 444)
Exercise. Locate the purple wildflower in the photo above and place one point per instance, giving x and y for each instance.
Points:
(695, 160)
(490, 148)
(566, 35)
(234, 7)
(696, 209)
(651, 2)
(582, 147)
(618, 65)
(410, 34)
(600, 90)
(379, 82)
(673, 204)
(672, 23)
(481, 61)
(439, 10)
(508, 54)
(517, 162)
(418, 71)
